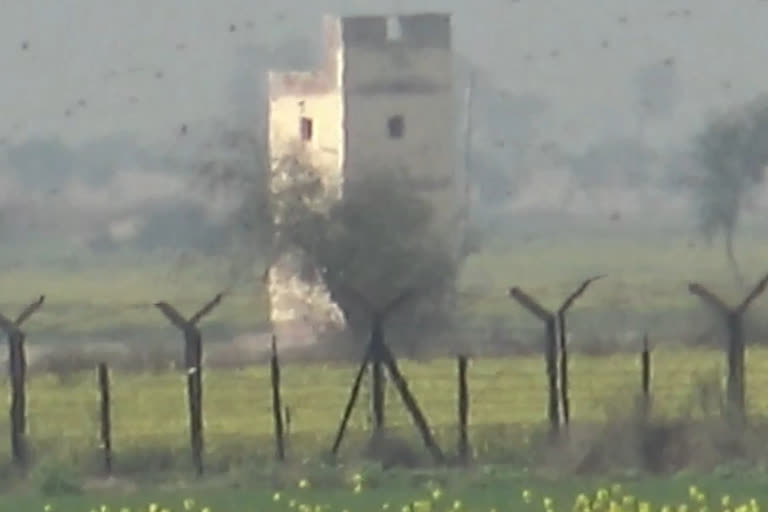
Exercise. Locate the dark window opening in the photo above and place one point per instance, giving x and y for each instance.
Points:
(396, 127)
(305, 128)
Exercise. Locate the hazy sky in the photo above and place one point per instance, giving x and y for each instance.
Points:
(108, 52)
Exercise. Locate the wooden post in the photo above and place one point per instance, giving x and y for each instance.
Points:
(288, 418)
(17, 365)
(564, 307)
(105, 417)
(736, 384)
(563, 364)
(193, 356)
(352, 400)
(377, 379)
(645, 378)
(556, 343)
(553, 411)
(413, 407)
(195, 398)
(735, 350)
(276, 402)
(463, 410)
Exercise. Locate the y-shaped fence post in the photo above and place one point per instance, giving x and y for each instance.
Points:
(552, 321)
(734, 322)
(193, 357)
(17, 365)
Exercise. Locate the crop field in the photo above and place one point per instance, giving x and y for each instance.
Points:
(91, 297)
(645, 290)
(508, 398)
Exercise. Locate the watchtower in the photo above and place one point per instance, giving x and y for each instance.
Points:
(382, 99)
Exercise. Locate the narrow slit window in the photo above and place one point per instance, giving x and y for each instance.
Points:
(305, 128)
(396, 127)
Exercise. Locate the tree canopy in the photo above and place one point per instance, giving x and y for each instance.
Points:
(375, 245)
(731, 153)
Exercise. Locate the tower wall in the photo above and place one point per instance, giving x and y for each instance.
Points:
(407, 73)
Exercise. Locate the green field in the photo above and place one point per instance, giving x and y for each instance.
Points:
(94, 300)
(508, 398)
(475, 491)
(109, 297)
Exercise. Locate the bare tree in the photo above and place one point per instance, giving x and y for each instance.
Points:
(731, 153)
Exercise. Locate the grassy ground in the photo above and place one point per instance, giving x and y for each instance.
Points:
(92, 297)
(471, 492)
(508, 399)
(645, 288)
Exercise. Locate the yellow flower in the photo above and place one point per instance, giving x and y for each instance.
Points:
(303, 483)
(527, 496)
(358, 489)
(547, 503)
(457, 505)
(189, 504)
(436, 494)
(276, 496)
(48, 508)
(725, 501)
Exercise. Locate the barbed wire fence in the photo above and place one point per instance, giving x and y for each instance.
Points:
(109, 418)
